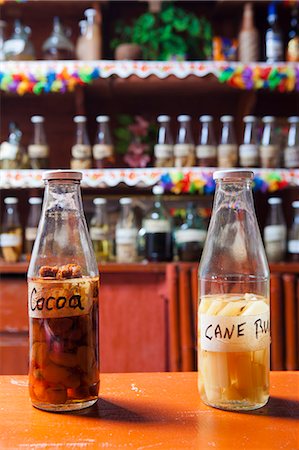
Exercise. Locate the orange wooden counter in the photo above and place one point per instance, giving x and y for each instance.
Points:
(150, 411)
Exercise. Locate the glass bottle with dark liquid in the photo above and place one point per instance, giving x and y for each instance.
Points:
(190, 237)
(158, 232)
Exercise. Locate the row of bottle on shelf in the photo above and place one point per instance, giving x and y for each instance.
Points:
(259, 148)
(158, 239)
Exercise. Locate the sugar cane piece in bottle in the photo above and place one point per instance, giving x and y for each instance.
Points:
(234, 312)
(103, 149)
(228, 148)
(38, 150)
(63, 286)
(11, 232)
(81, 150)
(163, 149)
(206, 150)
(32, 224)
(184, 148)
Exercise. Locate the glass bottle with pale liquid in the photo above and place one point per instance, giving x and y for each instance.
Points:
(81, 152)
(228, 147)
(234, 311)
(99, 230)
(184, 148)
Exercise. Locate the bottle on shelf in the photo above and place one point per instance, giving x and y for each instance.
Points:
(11, 232)
(293, 43)
(126, 233)
(291, 152)
(89, 46)
(191, 235)
(234, 311)
(12, 155)
(81, 150)
(184, 148)
(228, 147)
(275, 231)
(269, 148)
(158, 230)
(206, 150)
(32, 224)
(293, 239)
(163, 149)
(63, 304)
(249, 150)
(103, 149)
(58, 46)
(99, 231)
(38, 150)
(19, 46)
(274, 41)
(248, 37)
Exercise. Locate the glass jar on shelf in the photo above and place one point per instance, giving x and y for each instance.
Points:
(293, 239)
(63, 306)
(275, 231)
(58, 46)
(81, 150)
(99, 231)
(206, 150)
(291, 152)
(32, 224)
(11, 240)
(228, 147)
(126, 233)
(38, 150)
(184, 148)
(163, 149)
(249, 149)
(103, 149)
(269, 148)
(234, 311)
(19, 46)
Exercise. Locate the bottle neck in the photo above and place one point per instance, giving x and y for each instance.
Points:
(184, 134)
(275, 215)
(101, 213)
(250, 134)
(103, 134)
(293, 136)
(207, 134)
(269, 137)
(248, 22)
(63, 196)
(228, 134)
(81, 134)
(34, 215)
(38, 134)
(12, 216)
(164, 134)
(296, 216)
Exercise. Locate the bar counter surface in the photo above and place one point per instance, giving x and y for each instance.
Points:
(150, 411)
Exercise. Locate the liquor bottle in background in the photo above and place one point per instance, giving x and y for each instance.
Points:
(249, 150)
(234, 309)
(38, 150)
(206, 150)
(11, 231)
(184, 148)
(293, 240)
(291, 152)
(163, 149)
(158, 230)
(90, 39)
(228, 147)
(58, 46)
(293, 43)
(81, 150)
(99, 231)
(191, 235)
(126, 233)
(19, 47)
(269, 148)
(103, 149)
(275, 231)
(248, 37)
(32, 224)
(11, 152)
(274, 41)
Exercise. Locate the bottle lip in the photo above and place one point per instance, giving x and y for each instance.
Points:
(274, 201)
(163, 118)
(80, 119)
(206, 118)
(125, 200)
(268, 119)
(11, 200)
(158, 190)
(102, 118)
(35, 200)
(233, 173)
(293, 119)
(61, 174)
(183, 118)
(99, 201)
(247, 119)
(37, 119)
(90, 12)
(295, 204)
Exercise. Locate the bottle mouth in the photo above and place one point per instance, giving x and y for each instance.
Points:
(233, 174)
(62, 175)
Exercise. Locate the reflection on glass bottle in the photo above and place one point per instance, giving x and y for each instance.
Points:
(291, 152)
(275, 231)
(12, 154)
(58, 45)
(293, 241)
(38, 150)
(269, 149)
(32, 224)
(190, 237)
(234, 311)
(158, 230)
(163, 149)
(81, 150)
(249, 150)
(126, 233)
(19, 47)
(99, 231)
(11, 231)
(184, 148)
(103, 149)
(293, 44)
(206, 150)
(274, 43)
(228, 148)
(63, 304)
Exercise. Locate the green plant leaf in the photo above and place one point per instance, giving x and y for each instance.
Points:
(181, 24)
(194, 27)
(167, 15)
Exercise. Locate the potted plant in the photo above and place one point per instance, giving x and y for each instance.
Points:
(123, 46)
